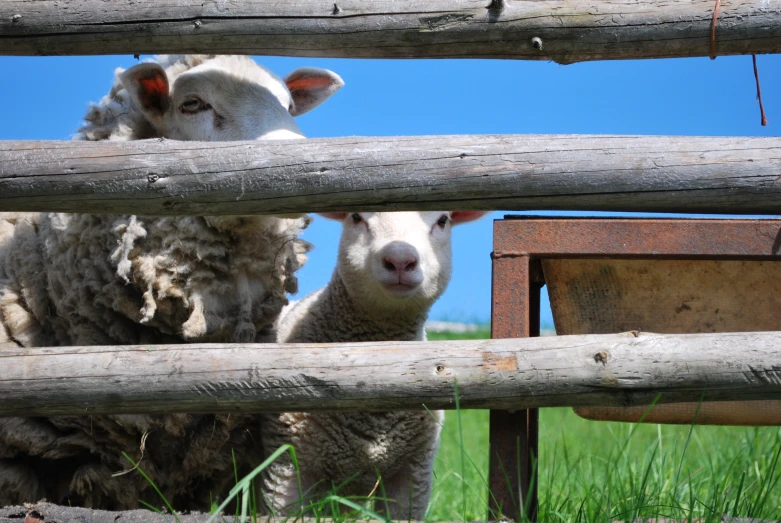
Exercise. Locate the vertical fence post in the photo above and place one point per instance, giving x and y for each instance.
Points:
(513, 436)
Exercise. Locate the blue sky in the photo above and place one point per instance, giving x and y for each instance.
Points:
(45, 98)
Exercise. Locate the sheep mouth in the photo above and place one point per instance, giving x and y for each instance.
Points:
(400, 289)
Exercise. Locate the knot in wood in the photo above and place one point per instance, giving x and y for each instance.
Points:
(601, 357)
(440, 368)
(497, 5)
(537, 43)
(197, 24)
(16, 18)
(33, 516)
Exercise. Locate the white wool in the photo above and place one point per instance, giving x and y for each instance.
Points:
(391, 268)
(69, 279)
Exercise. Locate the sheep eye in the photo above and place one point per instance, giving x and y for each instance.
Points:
(356, 217)
(194, 105)
(443, 220)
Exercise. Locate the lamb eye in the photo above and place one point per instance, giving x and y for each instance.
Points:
(443, 220)
(193, 105)
(356, 217)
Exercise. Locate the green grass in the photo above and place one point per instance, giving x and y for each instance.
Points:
(480, 334)
(604, 471)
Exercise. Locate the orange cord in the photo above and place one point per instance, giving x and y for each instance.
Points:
(713, 30)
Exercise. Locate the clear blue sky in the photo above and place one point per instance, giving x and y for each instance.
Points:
(45, 98)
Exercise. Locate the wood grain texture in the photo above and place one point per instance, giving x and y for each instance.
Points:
(50, 512)
(562, 30)
(556, 172)
(58, 513)
(610, 369)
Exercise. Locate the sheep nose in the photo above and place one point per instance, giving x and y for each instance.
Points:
(399, 257)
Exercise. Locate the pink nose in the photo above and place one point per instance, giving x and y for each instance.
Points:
(399, 265)
(399, 257)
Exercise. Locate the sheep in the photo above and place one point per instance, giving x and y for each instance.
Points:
(391, 267)
(68, 279)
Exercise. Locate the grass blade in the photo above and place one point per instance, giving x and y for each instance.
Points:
(355, 506)
(152, 483)
(244, 484)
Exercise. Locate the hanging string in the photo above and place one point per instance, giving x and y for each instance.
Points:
(713, 30)
(759, 91)
(753, 57)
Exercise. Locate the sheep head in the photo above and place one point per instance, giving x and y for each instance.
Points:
(226, 98)
(397, 260)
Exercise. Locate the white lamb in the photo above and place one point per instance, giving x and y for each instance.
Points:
(391, 268)
(95, 279)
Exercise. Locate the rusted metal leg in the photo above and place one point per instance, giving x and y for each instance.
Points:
(513, 464)
(513, 436)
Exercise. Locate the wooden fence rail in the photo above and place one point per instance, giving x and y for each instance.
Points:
(557, 172)
(614, 369)
(562, 30)
(53, 512)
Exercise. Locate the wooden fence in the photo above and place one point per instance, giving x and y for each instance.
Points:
(613, 369)
(624, 173)
(562, 30)
(576, 172)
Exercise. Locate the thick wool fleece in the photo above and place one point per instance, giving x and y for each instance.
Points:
(95, 280)
(331, 448)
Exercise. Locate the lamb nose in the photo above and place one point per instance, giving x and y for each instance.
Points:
(397, 265)
(400, 257)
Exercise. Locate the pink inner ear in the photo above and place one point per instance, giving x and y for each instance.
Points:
(308, 83)
(153, 92)
(466, 216)
(334, 215)
(153, 84)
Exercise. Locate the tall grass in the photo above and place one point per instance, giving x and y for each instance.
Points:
(605, 471)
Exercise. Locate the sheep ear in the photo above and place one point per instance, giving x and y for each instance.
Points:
(147, 85)
(310, 87)
(334, 215)
(459, 217)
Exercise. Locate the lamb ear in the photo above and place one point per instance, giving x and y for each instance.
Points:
(147, 85)
(459, 217)
(310, 87)
(334, 215)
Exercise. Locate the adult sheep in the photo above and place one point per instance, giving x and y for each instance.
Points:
(107, 280)
(391, 268)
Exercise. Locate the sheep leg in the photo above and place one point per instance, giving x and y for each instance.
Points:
(281, 488)
(408, 491)
(285, 490)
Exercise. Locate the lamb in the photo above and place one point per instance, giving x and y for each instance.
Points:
(102, 280)
(391, 268)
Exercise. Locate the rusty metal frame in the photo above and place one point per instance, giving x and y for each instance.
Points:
(520, 243)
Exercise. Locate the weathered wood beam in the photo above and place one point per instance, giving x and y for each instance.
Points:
(616, 369)
(575, 172)
(51, 512)
(562, 30)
